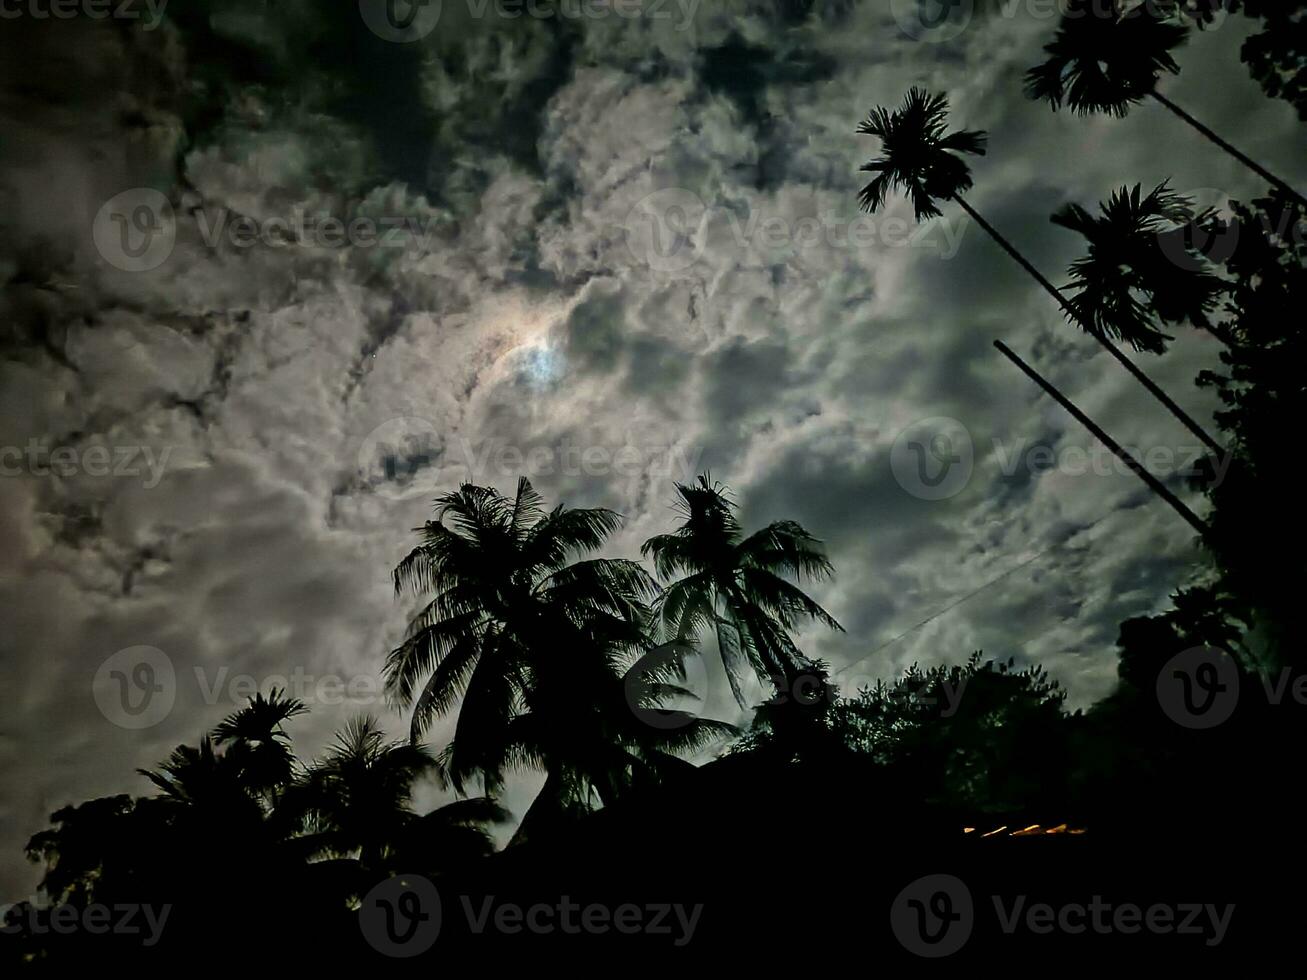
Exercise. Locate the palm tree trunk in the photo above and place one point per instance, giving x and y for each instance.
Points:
(1185, 418)
(1243, 158)
(1135, 466)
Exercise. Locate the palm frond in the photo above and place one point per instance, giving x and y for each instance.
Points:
(1103, 60)
(919, 155)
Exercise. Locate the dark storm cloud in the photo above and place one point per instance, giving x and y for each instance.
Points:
(520, 327)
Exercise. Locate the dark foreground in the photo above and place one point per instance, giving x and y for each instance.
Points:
(811, 876)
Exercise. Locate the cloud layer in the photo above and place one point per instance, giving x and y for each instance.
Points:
(607, 251)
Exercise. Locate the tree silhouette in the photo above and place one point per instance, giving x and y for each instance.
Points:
(736, 586)
(213, 843)
(256, 741)
(982, 737)
(511, 607)
(1137, 270)
(1276, 56)
(357, 803)
(1262, 395)
(537, 645)
(1103, 60)
(919, 156)
(604, 740)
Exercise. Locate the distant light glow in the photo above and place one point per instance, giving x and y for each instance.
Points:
(541, 363)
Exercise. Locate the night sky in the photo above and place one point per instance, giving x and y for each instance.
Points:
(614, 247)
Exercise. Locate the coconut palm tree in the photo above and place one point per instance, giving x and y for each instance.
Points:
(511, 607)
(357, 806)
(1131, 276)
(1105, 60)
(919, 155)
(208, 785)
(736, 586)
(537, 644)
(599, 741)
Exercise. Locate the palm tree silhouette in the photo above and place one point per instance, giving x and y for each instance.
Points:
(735, 585)
(1130, 276)
(919, 156)
(536, 643)
(1105, 61)
(206, 783)
(510, 607)
(258, 745)
(603, 740)
(358, 800)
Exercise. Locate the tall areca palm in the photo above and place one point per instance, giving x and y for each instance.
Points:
(919, 155)
(736, 586)
(1130, 277)
(257, 743)
(1105, 60)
